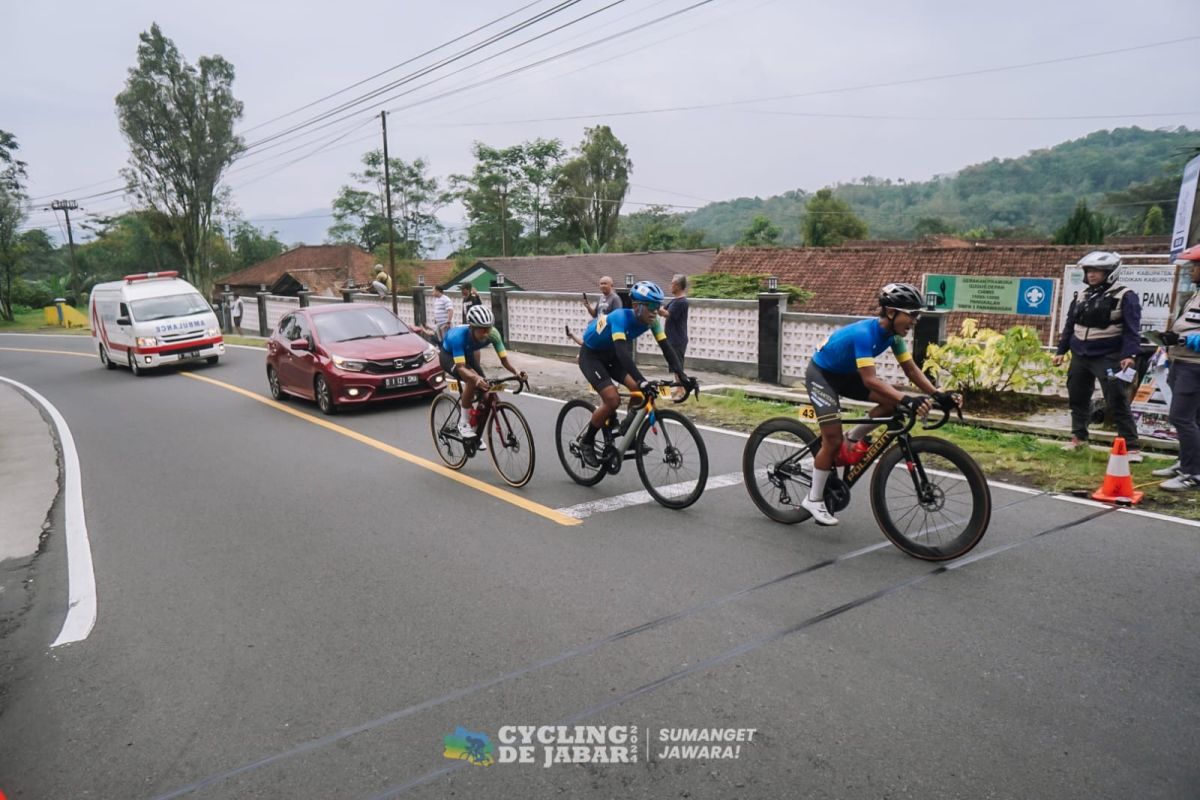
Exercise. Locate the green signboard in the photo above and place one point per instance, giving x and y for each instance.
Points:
(985, 294)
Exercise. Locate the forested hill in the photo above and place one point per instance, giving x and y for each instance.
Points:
(1121, 173)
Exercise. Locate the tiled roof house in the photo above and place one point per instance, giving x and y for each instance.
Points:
(846, 280)
(581, 272)
(323, 268)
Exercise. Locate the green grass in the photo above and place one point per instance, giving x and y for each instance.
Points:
(1011, 457)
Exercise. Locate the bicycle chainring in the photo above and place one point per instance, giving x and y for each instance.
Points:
(837, 494)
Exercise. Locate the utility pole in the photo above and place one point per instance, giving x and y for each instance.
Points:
(387, 186)
(504, 220)
(67, 206)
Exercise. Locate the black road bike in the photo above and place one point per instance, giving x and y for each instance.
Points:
(929, 496)
(670, 454)
(508, 436)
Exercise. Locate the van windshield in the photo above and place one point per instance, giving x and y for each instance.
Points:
(366, 323)
(172, 305)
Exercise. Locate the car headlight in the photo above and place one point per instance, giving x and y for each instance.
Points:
(212, 333)
(429, 354)
(348, 364)
(147, 341)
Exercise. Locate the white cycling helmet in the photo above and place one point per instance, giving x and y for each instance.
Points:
(480, 317)
(1100, 259)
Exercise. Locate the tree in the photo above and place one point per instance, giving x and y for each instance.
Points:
(1155, 223)
(178, 120)
(592, 186)
(1082, 227)
(540, 163)
(251, 245)
(492, 195)
(137, 241)
(361, 216)
(761, 233)
(931, 226)
(13, 212)
(828, 221)
(656, 228)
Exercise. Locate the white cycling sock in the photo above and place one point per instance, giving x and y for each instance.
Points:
(817, 492)
(859, 432)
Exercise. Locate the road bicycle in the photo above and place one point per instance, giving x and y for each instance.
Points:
(929, 496)
(670, 454)
(509, 439)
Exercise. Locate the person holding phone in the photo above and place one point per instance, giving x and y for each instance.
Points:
(609, 300)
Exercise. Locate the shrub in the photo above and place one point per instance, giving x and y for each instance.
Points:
(981, 360)
(740, 287)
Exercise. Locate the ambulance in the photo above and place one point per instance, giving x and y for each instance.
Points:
(154, 318)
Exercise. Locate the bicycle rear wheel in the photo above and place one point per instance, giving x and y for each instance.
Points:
(671, 459)
(777, 465)
(443, 424)
(511, 444)
(572, 423)
(935, 509)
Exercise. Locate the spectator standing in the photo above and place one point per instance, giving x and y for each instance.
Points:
(1184, 379)
(1103, 334)
(609, 300)
(443, 313)
(676, 312)
(470, 298)
(237, 309)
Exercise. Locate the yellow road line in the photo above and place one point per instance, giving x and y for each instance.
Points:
(55, 352)
(500, 494)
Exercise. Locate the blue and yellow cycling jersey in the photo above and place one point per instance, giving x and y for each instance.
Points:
(856, 346)
(621, 325)
(459, 343)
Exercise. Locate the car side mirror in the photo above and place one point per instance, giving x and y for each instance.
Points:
(123, 321)
(301, 344)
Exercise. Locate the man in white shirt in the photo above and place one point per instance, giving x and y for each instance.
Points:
(236, 310)
(443, 313)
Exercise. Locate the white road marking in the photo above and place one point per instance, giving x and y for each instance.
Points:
(617, 502)
(81, 578)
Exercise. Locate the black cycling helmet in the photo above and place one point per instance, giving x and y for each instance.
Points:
(902, 296)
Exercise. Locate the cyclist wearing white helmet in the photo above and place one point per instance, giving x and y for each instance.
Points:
(1103, 333)
(606, 355)
(459, 356)
(845, 367)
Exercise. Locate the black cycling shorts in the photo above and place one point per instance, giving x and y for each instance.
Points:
(824, 389)
(448, 366)
(600, 368)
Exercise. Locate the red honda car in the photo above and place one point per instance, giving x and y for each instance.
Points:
(346, 354)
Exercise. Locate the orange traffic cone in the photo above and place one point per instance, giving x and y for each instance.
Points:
(1118, 485)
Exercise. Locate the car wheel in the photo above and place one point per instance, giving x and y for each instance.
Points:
(133, 366)
(212, 360)
(105, 360)
(277, 392)
(324, 396)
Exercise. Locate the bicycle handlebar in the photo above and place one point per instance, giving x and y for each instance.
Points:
(911, 416)
(690, 388)
(496, 383)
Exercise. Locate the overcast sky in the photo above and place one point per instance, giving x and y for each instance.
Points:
(65, 62)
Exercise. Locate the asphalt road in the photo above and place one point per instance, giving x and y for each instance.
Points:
(292, 610)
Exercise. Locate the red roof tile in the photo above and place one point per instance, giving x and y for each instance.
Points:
(581, 273)
(323, 268)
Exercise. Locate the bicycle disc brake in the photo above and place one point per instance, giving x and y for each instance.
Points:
(837, 494)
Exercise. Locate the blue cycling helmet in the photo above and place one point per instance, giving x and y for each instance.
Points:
(647, 292)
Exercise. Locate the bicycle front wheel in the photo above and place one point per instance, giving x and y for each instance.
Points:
(568, 440)
(443, 424)
(671, 459)
(511, 444)
(777, 465)
(938, 507)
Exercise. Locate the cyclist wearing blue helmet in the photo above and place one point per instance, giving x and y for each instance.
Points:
(606, 356)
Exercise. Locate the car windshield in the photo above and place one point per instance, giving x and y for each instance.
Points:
(365, 323)
(171, 305)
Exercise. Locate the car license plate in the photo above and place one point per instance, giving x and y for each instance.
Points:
(399, 381)
(808, 412)
(189, 354)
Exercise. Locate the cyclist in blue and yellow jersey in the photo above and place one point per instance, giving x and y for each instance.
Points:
(845, 366)
(606, 356)
(459, 356)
